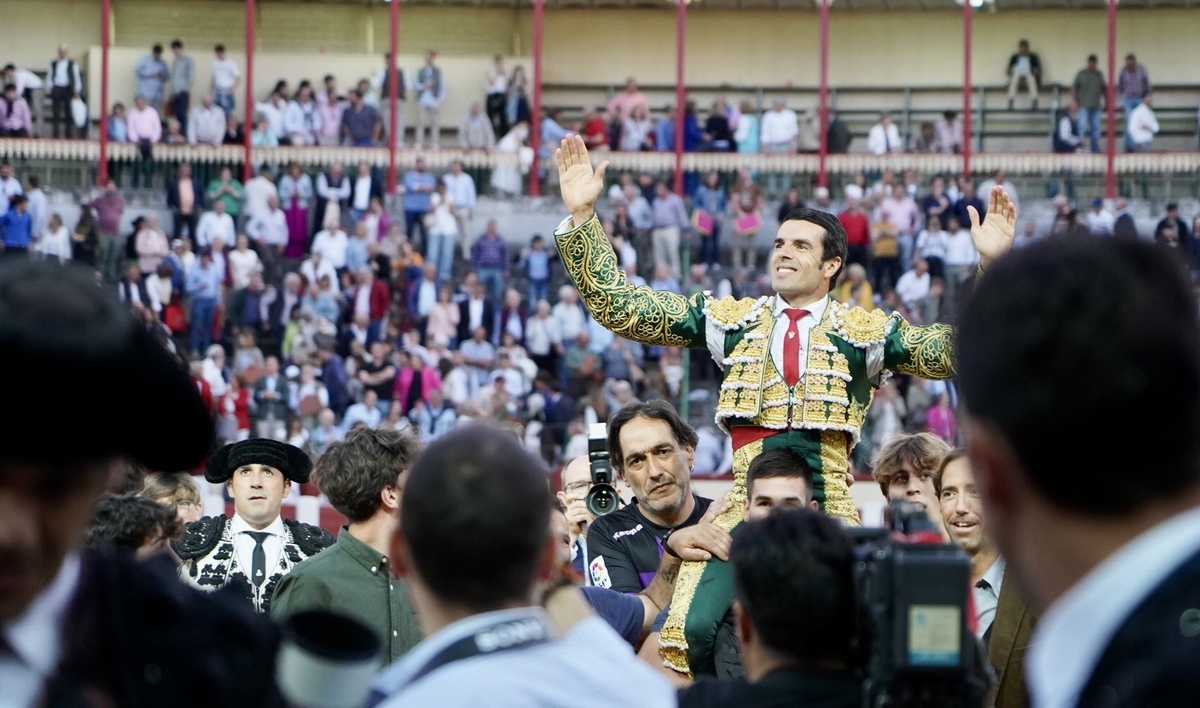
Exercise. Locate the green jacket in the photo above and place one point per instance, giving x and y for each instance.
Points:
(352, 579)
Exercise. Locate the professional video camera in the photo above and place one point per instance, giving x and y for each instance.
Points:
(602, 498)
(917, 649)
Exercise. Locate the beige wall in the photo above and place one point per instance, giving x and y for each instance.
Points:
(603, 46)
(866, 48)
(33, 30)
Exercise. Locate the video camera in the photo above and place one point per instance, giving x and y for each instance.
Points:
(913, 589)
(602, 498)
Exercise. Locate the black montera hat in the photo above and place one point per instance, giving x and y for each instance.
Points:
(288, 459)
(101, 384)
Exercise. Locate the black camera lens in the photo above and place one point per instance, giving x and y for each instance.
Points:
(602, 499)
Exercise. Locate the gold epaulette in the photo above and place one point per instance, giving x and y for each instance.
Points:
(730, 313)
(860, 327)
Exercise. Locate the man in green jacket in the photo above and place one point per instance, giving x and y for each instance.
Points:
(363, 478)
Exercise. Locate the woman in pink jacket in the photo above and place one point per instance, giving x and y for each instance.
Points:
(414, 382)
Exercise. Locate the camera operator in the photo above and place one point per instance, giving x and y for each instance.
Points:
(793, 596)
(576, 483)
(653, 450)
(1003, 619)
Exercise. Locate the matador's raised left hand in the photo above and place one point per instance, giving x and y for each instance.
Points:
(994, 237)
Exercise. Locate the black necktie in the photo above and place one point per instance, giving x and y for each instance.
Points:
(987, 635)
(258, 561)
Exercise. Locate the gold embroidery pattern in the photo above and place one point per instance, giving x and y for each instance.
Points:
(730, 314)
(861, 327)
(930, 350)
(838, 502)
(741, 393)
(636, 313)
(672, 640)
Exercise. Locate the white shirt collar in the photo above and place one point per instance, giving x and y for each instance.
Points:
(995, 575)
(37, 635)
(816, 308)
(1074, 632)
(239, 525)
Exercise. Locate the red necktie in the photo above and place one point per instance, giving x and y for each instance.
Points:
(791, 347)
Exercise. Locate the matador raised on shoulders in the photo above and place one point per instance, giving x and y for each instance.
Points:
(799, 368)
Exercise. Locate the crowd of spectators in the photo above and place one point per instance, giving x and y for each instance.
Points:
(307, 308)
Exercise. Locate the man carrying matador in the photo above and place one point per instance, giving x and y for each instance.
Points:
(799, 367)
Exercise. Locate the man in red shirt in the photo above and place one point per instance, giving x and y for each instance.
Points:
(595, 130)
(858, 231)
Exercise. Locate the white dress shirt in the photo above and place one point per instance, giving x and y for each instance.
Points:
(1142, 124)
(314, 273)
(36, 639)
(474, 314)
(1073, 633)
(332, 246)
(269, 227)
(816, 310)
(912, 287)
(258, 191)
(960, 249)
(881, 142)
(777, 127)
(460, 188)
(225, 74)
(242, 266)
(243, 546)
(206, 125)
(362, 193)
(213, 225)
(987, 598)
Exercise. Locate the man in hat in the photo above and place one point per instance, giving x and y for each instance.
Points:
(252, 551)
(74, 624)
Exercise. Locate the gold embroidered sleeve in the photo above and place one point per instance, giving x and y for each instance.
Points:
(634, 312)
(927, 351)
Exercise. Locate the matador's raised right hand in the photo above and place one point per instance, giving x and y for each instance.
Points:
(580, 184)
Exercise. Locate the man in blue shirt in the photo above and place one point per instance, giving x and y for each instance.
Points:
(664, 132)
(204, 285)
(152, 72)
(536, 260)
(418, 186)
(489, 260)
(17, 226)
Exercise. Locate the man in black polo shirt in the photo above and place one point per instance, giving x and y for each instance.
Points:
(653, 449)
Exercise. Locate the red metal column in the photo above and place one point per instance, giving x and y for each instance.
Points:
(966, 146)
(680, 89)
(823, 94)
(105, 19)
(393, 78)
(248, 124)
(1110, 173)
(535, 130)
